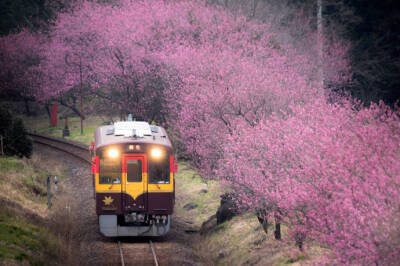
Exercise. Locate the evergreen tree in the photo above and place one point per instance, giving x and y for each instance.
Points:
(15, 138)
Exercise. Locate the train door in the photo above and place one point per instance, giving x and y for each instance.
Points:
(134, 189)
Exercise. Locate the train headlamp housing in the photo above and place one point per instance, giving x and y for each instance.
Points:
(156, 153)
(112, 153)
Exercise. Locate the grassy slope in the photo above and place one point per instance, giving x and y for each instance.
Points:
(23, 234)
(21, 240)
(190, 188)
(238, 241)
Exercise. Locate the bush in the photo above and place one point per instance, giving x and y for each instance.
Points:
(15, 139)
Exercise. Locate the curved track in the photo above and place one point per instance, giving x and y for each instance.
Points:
(78, 150)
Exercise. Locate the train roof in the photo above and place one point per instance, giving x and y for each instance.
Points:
(130, 132)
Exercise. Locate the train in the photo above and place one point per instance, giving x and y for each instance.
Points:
(133, 167)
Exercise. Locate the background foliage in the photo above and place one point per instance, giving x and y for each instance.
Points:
(236, 83)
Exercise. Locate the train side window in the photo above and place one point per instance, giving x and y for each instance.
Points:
(134, 170)
(159, 172)
(109, 171)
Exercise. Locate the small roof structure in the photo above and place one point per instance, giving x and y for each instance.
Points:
(132, 128)
(130, 132)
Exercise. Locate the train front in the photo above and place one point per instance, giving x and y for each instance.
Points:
(133, 171)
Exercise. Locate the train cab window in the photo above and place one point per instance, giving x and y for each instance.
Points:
(134, 170)
(109, 171)
(159, 172)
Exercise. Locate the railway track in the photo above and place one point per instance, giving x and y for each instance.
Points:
(138, 252)
(147, 259)
(78, 150)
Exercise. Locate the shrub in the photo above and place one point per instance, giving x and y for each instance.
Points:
(15, 138)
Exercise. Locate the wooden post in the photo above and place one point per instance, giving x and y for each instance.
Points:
(66, 129)
(48, 192)
(55, 184)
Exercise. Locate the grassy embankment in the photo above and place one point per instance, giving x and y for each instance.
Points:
(235, 242)
(24, 234)
(238, 241)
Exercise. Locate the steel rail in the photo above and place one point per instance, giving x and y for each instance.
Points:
(153, 252)
(121, 254)
(70, 147)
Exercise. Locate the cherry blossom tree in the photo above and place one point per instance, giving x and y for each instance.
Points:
(332, 171)
(96, 49)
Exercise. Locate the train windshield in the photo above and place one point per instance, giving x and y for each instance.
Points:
(134, 170)
(159, 172)
(110, 171)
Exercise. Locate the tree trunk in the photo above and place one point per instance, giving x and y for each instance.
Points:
(320, 42)
(46, 106)
(27, 107)
(72, 107)
(263, 220)
(277, 232)
(300, 238)
(254, 8)
(264, 223)
(299, 244)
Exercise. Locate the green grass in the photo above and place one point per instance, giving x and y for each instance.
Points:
(21, 241)
(24, 241)
(11, 164)
(41, 125)
(189, 186)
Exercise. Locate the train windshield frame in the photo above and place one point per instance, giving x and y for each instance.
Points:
(109, 171)
(159, 170)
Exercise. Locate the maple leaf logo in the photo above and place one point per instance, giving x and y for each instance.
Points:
(108, 200)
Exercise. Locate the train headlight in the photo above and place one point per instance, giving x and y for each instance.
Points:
(156, 153)
(113, 153)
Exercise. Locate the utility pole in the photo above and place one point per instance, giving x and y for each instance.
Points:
(320, 43)
(1, 144)
(81, 107)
